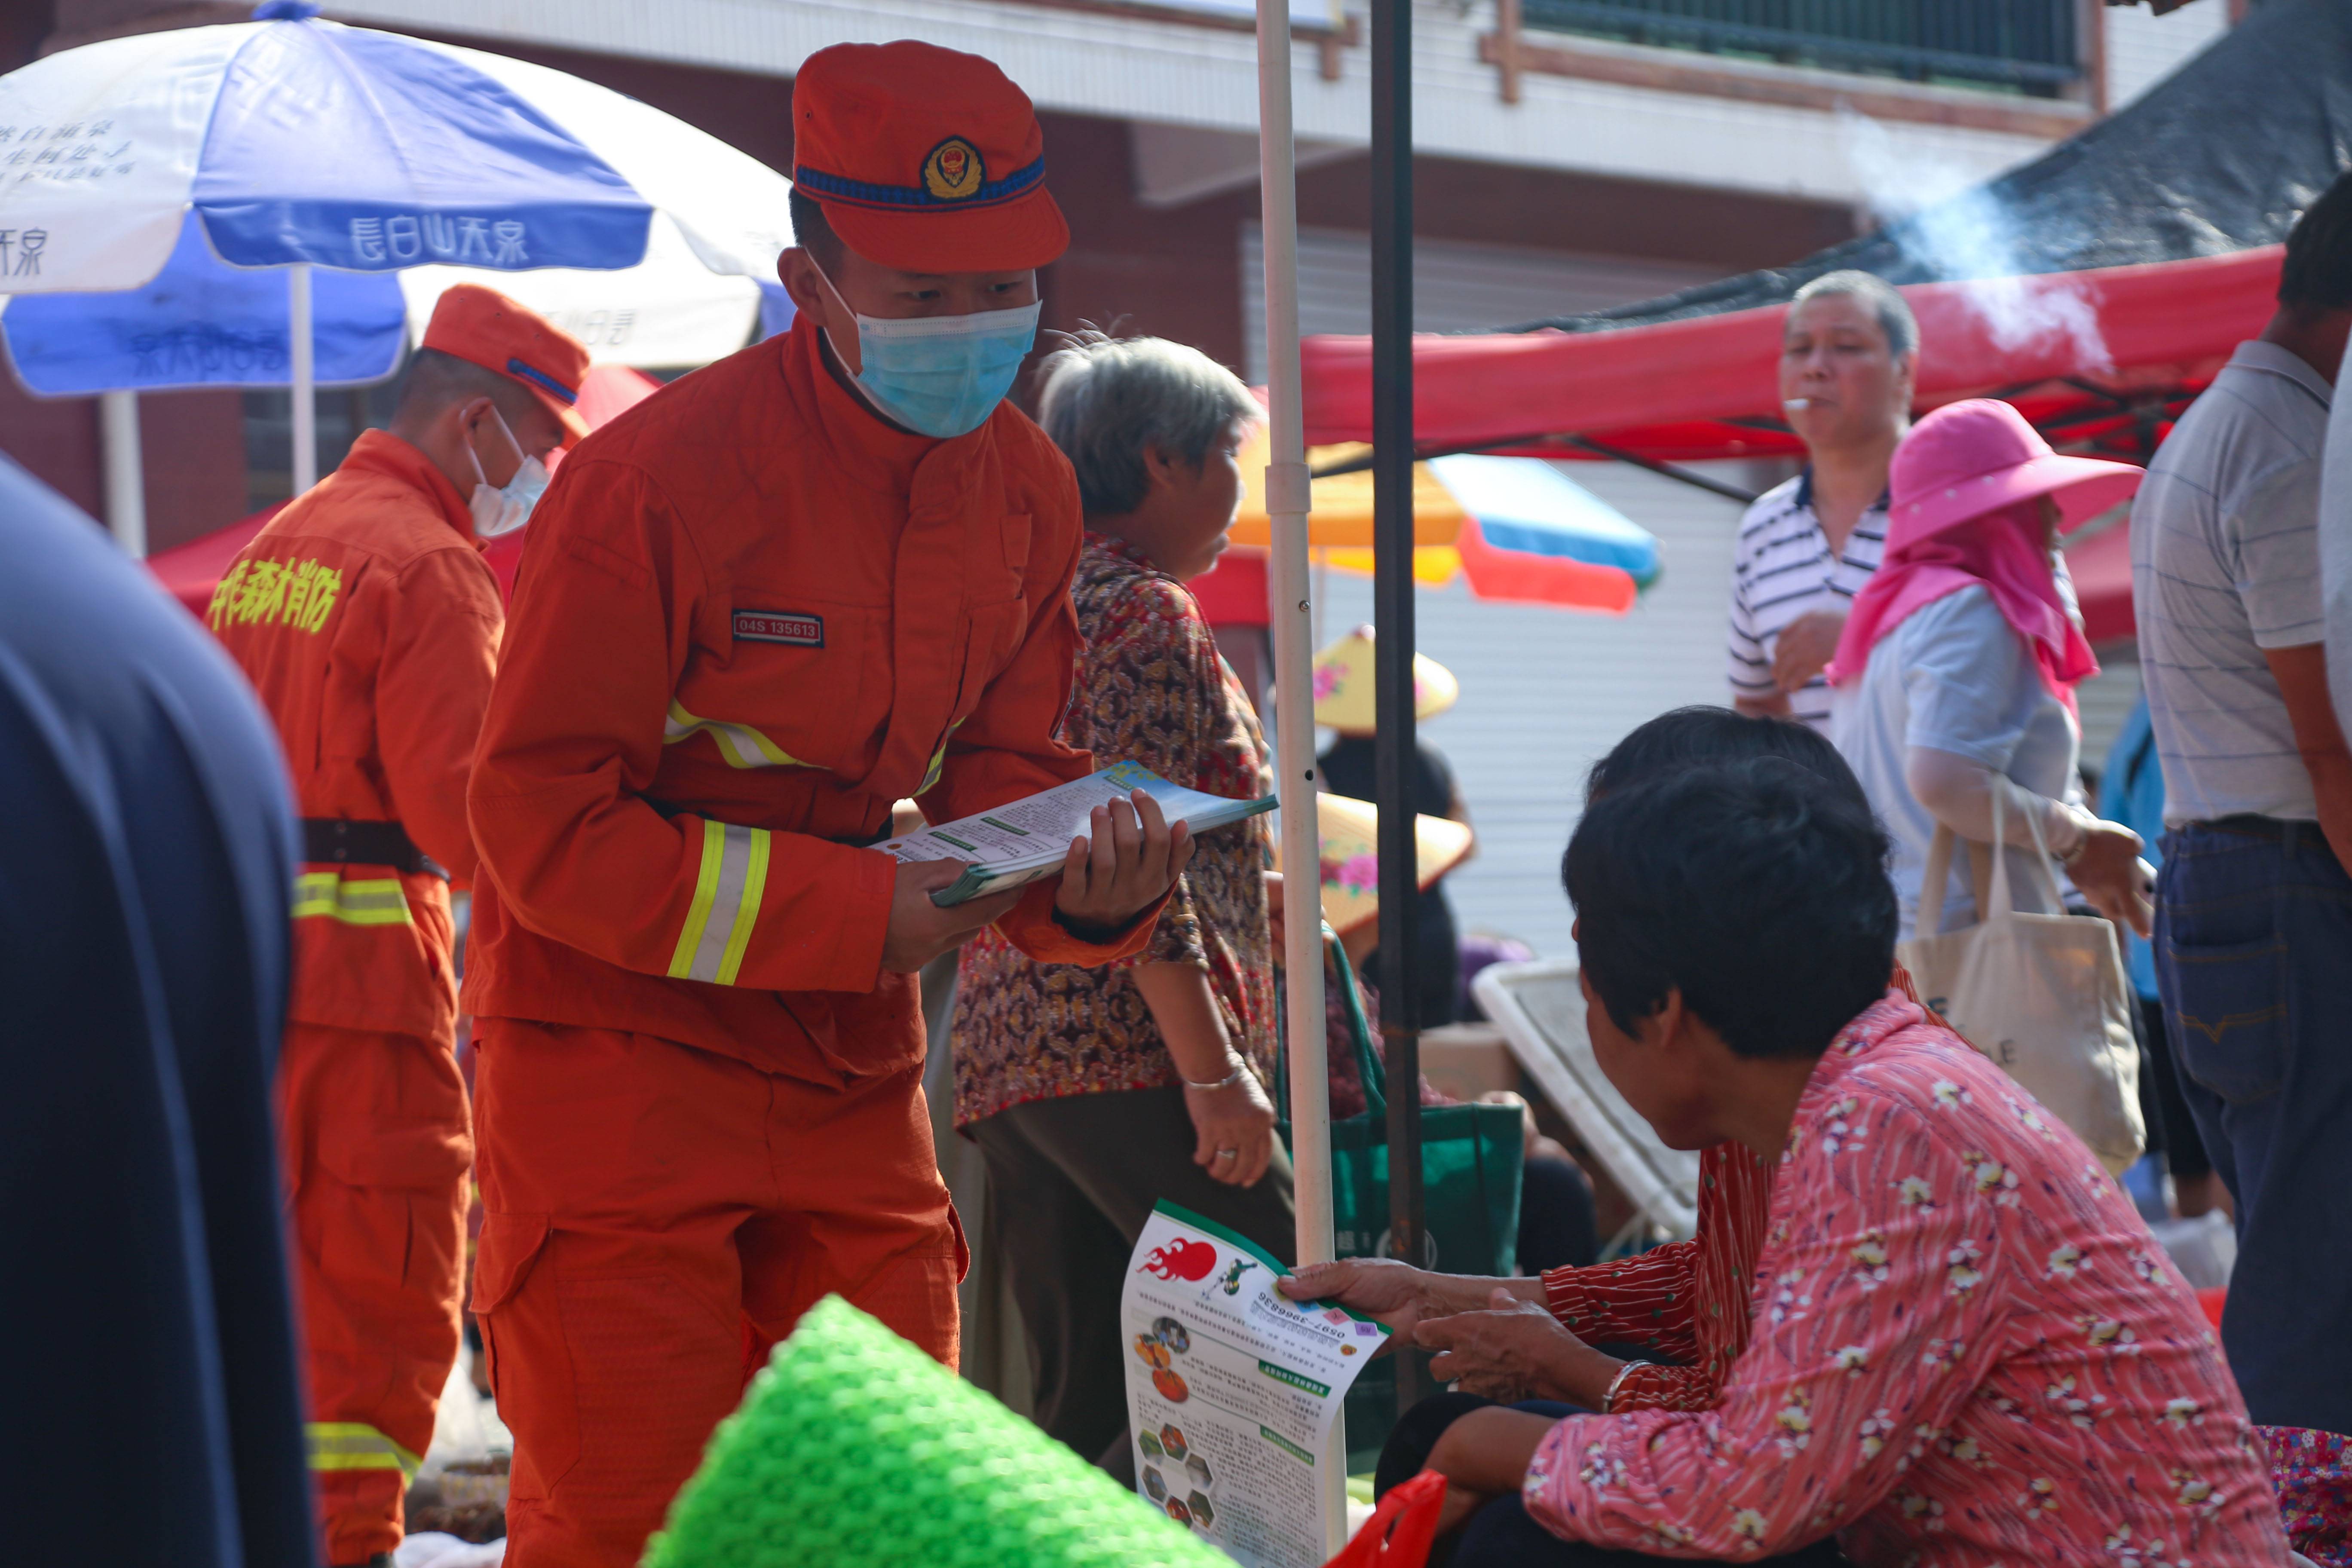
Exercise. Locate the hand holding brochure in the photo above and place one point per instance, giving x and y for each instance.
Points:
(1027, 839)
(1234, 1389)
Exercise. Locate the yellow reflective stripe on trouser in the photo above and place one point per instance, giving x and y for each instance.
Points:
(353, 1446)
(726, 904)
(740, 745)
(377, 901)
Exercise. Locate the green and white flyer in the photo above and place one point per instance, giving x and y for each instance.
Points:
(1234, 1390)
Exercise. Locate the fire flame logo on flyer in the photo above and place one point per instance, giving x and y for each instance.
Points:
(1182, 1258)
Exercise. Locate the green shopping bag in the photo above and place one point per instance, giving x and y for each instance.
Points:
(1471, 1163)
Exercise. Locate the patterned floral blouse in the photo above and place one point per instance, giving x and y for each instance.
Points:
(1968, 1351)
(1153, 689)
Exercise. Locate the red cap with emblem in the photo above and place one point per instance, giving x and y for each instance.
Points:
(483, 327)
(924, 159)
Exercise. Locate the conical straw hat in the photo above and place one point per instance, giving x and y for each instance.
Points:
(1343, 685)
(1347, 834)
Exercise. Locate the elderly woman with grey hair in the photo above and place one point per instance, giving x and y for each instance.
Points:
(1849, 352)
(1094, 1093)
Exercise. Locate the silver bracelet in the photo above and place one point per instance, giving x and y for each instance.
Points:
(1240, 1070)
(1609, 1400)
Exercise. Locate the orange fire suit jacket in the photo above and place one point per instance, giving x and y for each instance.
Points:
(749, 617)
(365, 617)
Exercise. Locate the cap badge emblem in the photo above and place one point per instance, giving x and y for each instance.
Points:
(953, 171)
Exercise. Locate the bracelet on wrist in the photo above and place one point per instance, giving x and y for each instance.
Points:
(1609, 1399)
(1241, 1071)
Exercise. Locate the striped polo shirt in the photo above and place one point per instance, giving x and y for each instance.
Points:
(1782, 567)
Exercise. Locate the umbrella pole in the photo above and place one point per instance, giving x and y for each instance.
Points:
(126, 476)
(306, 397)
(1291, 611)
(1392, 601)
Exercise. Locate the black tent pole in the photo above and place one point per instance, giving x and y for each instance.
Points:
(1392, 590)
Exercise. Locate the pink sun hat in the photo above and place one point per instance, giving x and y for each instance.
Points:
(1977, 456)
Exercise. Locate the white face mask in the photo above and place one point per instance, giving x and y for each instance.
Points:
(498, 512)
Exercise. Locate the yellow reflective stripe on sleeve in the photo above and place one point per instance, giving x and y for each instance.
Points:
(698, 914)
(727, 892)
(375, 902)
(354, 1445)
(740, 745)
(755, 882)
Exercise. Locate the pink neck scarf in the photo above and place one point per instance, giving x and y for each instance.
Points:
(2000, 552)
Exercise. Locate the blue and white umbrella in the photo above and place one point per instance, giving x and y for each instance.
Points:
(296, 142)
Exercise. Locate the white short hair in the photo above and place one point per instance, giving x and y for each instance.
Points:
(1106, 400)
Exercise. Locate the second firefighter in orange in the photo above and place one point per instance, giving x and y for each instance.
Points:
(366, 619)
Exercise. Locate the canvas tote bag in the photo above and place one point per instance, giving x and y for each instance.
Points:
(2044, 996)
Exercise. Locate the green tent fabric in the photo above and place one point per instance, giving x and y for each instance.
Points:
(853, 1449)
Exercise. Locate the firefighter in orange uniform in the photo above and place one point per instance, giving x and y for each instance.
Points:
(366, 619)
(822, 575)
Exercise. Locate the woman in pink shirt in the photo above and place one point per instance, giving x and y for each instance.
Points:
(1966, 1349)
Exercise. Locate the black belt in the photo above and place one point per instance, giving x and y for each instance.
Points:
(342, 841)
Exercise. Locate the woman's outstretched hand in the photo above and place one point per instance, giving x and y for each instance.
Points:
(1515, 1349)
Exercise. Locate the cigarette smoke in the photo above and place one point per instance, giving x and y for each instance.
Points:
(1947, 221)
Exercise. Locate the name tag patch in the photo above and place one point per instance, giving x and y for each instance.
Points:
(790, 626)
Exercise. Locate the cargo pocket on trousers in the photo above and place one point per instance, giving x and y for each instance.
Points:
(2232, 1016)
(511, 1249)
(410, 1216)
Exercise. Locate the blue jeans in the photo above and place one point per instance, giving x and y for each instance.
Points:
(2253, 953)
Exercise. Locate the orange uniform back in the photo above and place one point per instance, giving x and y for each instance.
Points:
(364, 617)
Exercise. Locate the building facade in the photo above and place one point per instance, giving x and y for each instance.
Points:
(1572, 154)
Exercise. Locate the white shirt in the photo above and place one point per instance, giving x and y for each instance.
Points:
(2226, 563)
(2336, 549)
(1782, 567)
(1954, 676)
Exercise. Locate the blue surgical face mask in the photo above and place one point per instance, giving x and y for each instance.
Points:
(941, 375)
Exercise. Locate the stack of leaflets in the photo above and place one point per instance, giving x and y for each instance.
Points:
(1028, 839)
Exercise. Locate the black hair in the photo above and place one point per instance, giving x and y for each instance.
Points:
(2317, 273)
(1756, 888)
(814, 233)
(1687, 736)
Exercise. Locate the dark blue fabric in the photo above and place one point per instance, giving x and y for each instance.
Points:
(150, 1413)
(2253, 950)
(2131, 791)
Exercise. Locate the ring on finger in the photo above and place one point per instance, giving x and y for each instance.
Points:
(1228, 1153)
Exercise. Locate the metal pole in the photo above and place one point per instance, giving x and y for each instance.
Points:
(306, 400)
(1287, 493)
(1392, 590)
(126, 477)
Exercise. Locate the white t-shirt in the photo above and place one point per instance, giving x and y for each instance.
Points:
(2336, 545)
(1956, 678)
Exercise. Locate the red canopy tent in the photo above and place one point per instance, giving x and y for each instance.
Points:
(1688, 390)
(192, 570)
(1707, 386)
(2149, 227)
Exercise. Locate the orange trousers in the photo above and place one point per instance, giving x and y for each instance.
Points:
(376, 1151)
(655, 1218)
